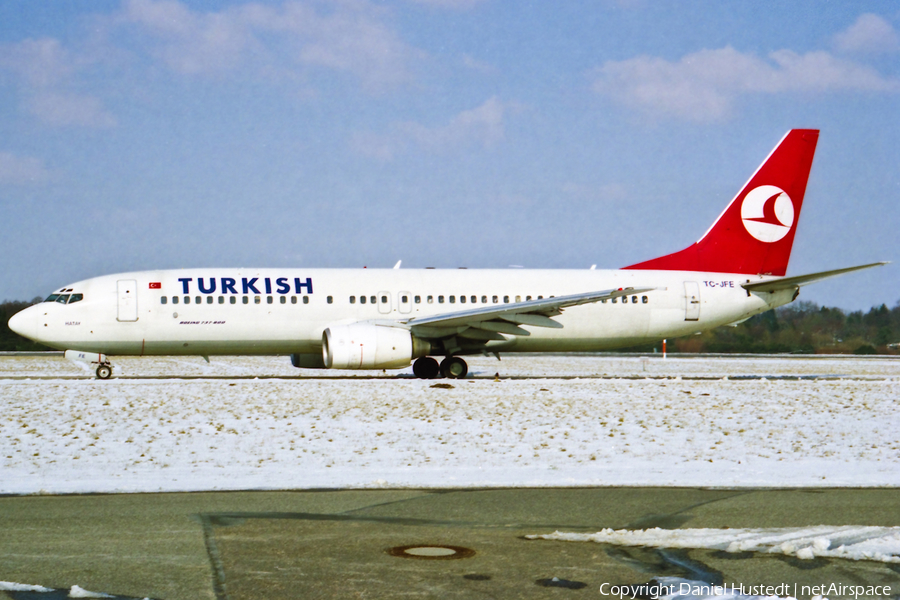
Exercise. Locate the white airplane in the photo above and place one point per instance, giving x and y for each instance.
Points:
(389, 318)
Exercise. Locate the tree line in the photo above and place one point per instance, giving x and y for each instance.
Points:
(804, 328)
(799, 327)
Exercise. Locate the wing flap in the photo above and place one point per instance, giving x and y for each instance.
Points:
(534, 320)
(501, 327)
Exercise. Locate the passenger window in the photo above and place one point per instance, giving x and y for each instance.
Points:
(452, 299)
(506, 299)
(374, 301)
(187, 299)
(495, 299)
(540, 297)
(305, 299)
(404, 299)
(293, 299)
(384, 299)
(615, 300)
(245, 299)
(329, 299)
(462, 299)
(440, 299)
(603, 301)
(353, 300)
(209, 299)
(644, 300)
(269, 300)
(233, 299)
(221, 299)
(283, 299)
(198, 300)
(163, 300)
(634, 299)
(362, 299)
(474, 299)
(527, 298)
(518, 298)
(76, 298)
(430, 299)
(256, 299)
(484, 299)
(174, 299)
(418, 300)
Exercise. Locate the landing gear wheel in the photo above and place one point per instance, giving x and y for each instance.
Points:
(104, 372)
(426, 368)
(453, 367)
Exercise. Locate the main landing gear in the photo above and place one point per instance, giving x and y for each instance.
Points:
(452, 367)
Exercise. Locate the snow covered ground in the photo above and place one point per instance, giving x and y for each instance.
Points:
(547, 421)
(850, 542)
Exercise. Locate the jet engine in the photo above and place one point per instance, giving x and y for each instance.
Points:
(370, 346)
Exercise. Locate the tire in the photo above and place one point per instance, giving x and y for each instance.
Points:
(453, 367)
(426, 368)
(104, 372)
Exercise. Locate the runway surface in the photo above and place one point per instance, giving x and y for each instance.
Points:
(337, 544)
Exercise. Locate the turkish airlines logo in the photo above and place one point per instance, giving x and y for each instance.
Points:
(767, 213)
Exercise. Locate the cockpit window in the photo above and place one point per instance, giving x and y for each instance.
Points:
(62, 298)
(52, 298)
(76, 298)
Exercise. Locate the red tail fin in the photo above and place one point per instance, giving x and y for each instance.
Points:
(755, 233)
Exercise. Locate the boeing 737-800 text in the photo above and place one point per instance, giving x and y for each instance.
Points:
(390, 318)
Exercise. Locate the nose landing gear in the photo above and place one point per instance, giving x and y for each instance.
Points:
(104, 371)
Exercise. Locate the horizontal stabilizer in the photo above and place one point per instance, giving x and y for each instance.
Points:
(786, 283)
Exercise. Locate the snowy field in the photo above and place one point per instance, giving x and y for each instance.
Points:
(171, 424)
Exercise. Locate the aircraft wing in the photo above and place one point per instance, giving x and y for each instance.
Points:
(786, 283)
(488, 323)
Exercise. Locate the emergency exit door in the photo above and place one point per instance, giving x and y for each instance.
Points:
(127, 292)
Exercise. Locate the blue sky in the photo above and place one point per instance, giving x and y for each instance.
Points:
(154, 134)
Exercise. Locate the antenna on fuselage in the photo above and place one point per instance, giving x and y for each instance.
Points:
(397, 266)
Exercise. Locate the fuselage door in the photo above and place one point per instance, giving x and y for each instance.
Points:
(127, 293)
(404, 302)
(384, 302)
(691, 301)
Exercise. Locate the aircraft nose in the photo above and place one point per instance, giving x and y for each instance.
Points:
(23, 323)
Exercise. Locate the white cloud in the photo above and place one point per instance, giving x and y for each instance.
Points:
(68, 109)
(870, 34)
(344, 35)
(46, 71)
(18, 170)
(476, 65)
(40, 63)
(705, 85)
(481, 126)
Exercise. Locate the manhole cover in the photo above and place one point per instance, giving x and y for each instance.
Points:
(431, 552)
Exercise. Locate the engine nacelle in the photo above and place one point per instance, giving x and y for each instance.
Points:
(370, 346)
